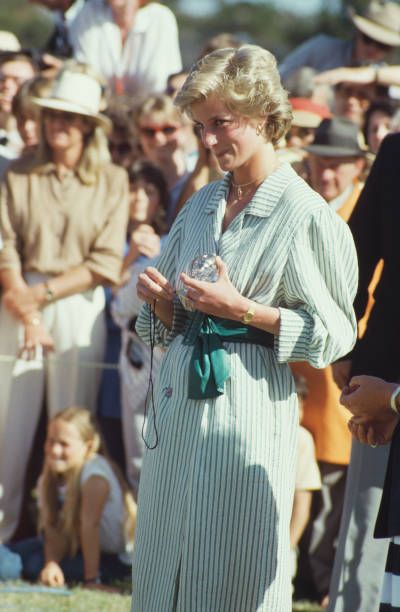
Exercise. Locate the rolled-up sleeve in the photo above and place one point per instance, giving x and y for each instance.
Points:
(318, 324)
(9, 256)
(105, 256)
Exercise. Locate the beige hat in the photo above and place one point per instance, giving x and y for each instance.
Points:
(75, 92)
(8, 41)
(381, 22)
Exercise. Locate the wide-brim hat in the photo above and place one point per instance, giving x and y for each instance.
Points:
(308, 114)
(381, 22)
(337, 137)
(75, 92)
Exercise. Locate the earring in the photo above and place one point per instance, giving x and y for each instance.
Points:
(259, 129)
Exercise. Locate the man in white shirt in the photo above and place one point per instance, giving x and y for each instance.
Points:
(134, 49)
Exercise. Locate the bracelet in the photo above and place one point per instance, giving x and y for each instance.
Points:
(94, 580)
(393, 397)
(49, 295)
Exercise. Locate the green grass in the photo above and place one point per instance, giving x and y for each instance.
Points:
(84, 600)
(79, 600)
(305, 606)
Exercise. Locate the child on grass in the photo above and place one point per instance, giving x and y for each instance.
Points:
(86, 513)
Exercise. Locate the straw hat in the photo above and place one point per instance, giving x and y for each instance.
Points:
(307, 113)
(381, 22)
(75, 92)
(337, 137)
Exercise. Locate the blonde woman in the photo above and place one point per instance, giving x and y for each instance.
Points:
(162, 134)
(63, 225)
(86, 513)
(216, 492)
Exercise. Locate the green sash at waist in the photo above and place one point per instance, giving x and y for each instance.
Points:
(209, 365)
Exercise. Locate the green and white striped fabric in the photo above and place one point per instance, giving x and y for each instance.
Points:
(215, 495)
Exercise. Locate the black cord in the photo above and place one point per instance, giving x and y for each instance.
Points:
(150, 387)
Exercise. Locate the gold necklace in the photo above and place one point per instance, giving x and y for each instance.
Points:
(240, 192)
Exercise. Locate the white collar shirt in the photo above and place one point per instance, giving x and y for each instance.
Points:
(143, 63)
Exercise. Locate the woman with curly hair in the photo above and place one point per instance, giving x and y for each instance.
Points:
(217, 482)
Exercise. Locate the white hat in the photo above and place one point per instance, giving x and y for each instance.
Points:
(75, 92)
(8, 41)
(380, 22)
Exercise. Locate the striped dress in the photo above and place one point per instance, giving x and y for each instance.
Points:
(215, 495)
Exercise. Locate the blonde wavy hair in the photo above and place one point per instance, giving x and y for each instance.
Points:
(157, 104)
(67, 518)
(95, 153)
(247, 81)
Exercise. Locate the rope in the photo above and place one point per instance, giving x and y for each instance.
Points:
(52, 359)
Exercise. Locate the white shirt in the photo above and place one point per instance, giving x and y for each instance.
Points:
(112, 538)
(150, 53)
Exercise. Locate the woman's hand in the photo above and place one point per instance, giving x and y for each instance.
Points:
(220, 299)
(52, 575)
(21, 301)
(154, 287)
(145, 241)
(35, 336)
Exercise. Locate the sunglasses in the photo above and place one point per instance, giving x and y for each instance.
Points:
(367, 40)
(151, 131)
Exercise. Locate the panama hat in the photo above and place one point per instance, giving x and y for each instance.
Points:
(337, 137)
(381, 22)
(307, 113)
(75, 92)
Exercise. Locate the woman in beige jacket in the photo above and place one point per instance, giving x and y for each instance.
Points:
(63, 215)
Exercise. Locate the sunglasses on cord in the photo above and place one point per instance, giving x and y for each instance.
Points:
(151, 131)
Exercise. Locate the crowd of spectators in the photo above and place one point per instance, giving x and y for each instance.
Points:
(96, 162)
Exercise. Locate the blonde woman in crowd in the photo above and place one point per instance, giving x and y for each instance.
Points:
(63, 225)
(161, 132)
(216, 490)
(87, 515)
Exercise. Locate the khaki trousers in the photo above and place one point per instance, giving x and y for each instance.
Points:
(77, 326)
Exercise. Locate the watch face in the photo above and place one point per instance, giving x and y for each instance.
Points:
(248, 317)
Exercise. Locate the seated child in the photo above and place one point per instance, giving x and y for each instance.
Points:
(308, 479)
(86, 512)
(10, 563)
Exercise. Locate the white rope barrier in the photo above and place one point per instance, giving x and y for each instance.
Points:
(99, 365)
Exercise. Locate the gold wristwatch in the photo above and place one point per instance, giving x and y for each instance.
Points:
(248, 316)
